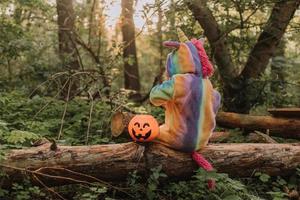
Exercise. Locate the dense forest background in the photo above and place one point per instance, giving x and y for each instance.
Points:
(68, 65)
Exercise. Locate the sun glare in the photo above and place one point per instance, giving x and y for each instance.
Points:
(114, 10)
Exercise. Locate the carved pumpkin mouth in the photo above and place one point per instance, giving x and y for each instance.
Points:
(140, 136)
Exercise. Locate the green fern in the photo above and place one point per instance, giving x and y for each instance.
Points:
(20, 137)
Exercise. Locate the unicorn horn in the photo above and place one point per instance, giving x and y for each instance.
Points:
(182, 37)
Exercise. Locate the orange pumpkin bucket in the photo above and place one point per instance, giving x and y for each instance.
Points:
(143, 128)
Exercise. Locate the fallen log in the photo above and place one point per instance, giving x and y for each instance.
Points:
(282, 127)
(285, 112)
(113, 162)
(219, 136)
(259, 137)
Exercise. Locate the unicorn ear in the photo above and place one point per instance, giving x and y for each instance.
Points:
(171, 44)
(202, 40)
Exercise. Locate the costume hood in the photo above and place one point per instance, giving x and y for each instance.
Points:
(188, 57)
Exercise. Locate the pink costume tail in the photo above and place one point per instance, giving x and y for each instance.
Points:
(202, 162)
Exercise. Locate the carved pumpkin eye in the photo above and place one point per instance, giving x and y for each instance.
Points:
(143, 128)
(137, 124)
(146, 125)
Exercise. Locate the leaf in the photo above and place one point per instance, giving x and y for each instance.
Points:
(232, 197)
(264, 178)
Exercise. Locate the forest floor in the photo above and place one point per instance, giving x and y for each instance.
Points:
(24, 120)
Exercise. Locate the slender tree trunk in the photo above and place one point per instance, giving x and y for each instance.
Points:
(237, 87)
(18, 14)
(160, 40)
(131, 71)
(9, 70)
(93, 25)
(66, 39)
(172, 19)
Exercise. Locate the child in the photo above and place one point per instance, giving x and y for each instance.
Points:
(190, 101)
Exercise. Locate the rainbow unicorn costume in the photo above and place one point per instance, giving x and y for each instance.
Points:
(190, 101)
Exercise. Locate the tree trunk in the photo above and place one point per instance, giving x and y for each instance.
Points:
(66, 39)
(268, 40)
(282, 127)
(160, 42)
(213, 33)
(94, 22)
(131, 72)
(278, 74)
(237, 88)
(82, 164)
(171, 18)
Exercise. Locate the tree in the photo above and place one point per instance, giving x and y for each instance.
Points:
(278, 73)
(131, 71)
(67, 46)
(237, 86)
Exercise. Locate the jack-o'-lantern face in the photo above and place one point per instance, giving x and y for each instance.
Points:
(143, 128)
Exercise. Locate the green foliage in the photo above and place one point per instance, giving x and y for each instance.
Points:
(156, 188)
(274, 187)
(23, 191)
(20, 137)
(11, 43)
(23, 120)
(92, 193)
(263, 177)
(226, 188)
(153, 182)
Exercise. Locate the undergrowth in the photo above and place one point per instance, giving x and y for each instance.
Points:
(23, 121)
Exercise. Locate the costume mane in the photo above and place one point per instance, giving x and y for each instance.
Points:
(207, 67)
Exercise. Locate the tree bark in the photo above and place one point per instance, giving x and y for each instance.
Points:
(285, 112)
(279, 74)
(119, 123)
(237, 87)
(94, 21)
(268, 40)
(258, 137)
(85, 164)
(66, 39)
(214, 35)
(131, 71)
(162, 69)
(282, 127)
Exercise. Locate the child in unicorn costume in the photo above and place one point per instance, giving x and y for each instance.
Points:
(189, 100)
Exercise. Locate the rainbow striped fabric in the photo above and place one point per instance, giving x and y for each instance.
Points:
(189, 99)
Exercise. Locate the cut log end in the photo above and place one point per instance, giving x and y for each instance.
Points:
(119, 122)
(116, 125)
